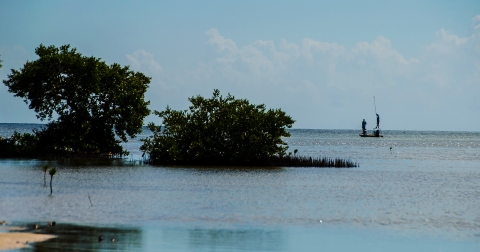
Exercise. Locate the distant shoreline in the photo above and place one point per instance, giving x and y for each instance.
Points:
(294, 129)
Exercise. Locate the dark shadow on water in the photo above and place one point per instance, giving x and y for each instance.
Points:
(86, 238)
(214, 169)
(77, 162)
(98, 162)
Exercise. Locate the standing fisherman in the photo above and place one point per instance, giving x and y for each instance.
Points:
(364, 124)
(378, 121)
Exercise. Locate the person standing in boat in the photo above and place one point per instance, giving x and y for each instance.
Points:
(364, 125)
(378, 121)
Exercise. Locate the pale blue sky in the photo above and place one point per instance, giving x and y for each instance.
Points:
(320, 61)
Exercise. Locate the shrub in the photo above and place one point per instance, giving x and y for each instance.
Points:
(219, 131)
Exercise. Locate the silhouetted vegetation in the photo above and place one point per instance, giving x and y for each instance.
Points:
(218, 131)
(224, 131)
(275, 161)
(52, 173)
(96, 106)
(45, 169)
(19, 145)
(300, 161)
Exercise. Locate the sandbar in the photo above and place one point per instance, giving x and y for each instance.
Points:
(17, 240)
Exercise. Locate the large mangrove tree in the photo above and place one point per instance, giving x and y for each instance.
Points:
(91, 107)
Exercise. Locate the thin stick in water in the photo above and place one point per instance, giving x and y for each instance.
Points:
(90, 199)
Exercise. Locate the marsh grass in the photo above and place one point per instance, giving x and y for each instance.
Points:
(277, 161)
(322, 162)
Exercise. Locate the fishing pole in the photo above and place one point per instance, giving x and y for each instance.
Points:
(375, 105)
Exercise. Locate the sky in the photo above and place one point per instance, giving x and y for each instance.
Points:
(322, 62)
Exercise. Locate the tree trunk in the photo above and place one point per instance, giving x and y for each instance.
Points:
(51, 189)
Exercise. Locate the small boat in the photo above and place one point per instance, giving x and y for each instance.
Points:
(377, 132)
(371, 135)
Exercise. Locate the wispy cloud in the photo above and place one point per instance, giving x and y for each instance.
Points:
(453, 61)
(311, 47)
(258, 58)
(142, 60)
(318, 62)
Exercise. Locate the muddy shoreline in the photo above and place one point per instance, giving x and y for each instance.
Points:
(17, 237)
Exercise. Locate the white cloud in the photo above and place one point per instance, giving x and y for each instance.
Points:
(452, 61)
(476, 34)
(476, 22)
(448, 43)
(450, 38)
(325, 64)
(381, 49)
(219, 40)
(451, 44)
(141, 60)
(290, 48)
(260, 59)
(310, 46)
(381, 57)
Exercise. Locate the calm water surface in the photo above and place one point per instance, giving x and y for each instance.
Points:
(422, 194)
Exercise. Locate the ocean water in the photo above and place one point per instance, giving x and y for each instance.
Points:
(413, 191)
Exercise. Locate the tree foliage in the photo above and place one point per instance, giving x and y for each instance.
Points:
(220, 130)
(19, 145)
(91, 106)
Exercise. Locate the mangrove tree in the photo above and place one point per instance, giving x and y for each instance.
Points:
(218, 131)
(91, 107)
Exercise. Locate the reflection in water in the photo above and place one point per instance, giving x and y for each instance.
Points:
(249, 240)
(79, 163)
(86, 238)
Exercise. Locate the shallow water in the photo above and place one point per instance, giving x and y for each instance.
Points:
(420, 195)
